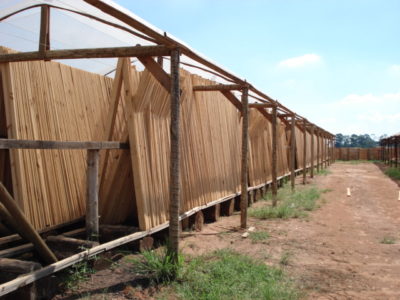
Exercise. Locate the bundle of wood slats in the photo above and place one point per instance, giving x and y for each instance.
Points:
(51, 101)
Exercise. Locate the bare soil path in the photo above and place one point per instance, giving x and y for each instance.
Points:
(337, 251)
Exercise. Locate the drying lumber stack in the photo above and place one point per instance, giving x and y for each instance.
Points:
(50, 101)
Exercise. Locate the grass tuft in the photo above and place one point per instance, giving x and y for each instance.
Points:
(285, 258)
(393, 173)
(388, 240)
(258, 236)
(225, 274)
(157, 265)
(290, 204)
(78, 273)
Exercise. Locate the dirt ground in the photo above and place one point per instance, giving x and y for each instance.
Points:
(337, 252)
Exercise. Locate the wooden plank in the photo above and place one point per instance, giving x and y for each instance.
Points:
(92, 200)
(244, 159)
(217, 87)
(134, 51)
(72, 145)
(25, 226)
(157, 71)
(110, 123)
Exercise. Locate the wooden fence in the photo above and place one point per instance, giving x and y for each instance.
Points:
(358, 153)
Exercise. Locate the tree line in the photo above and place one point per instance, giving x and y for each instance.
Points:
(357, 141)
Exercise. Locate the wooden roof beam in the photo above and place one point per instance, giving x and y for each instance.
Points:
(232, 98)
(218, 87)
(135, 51)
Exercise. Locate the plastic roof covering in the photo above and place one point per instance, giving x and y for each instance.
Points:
(69, 30)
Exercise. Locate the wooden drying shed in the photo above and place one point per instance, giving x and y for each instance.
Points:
(161, 144)
(390, 150)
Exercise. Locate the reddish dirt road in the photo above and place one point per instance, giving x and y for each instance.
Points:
(337, 251)
(334, 253)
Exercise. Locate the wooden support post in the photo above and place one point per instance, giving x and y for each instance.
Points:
(348, 153)
(245, 150)
(44, 38)
(312, 152)
(92, 199)
(174, 198)
(318, 149)
(304, 152)
(292, 151)
(25, 227)
(274, 156)
(396, 153)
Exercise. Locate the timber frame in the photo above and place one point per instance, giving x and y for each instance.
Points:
(152, 57)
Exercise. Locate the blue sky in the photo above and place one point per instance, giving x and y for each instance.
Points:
(335, 62)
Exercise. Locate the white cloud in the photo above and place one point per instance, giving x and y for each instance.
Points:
(301, 61)
(368, 113)
(394, 68)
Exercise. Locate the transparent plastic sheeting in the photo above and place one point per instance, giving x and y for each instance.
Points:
(69, 30)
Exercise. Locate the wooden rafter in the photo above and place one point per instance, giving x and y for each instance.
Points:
(218, 87)
(86, 53)
(157, 71)
(232, 98)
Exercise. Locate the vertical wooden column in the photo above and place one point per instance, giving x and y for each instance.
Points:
(396, 145)
(292, 151)
(92, 199)
(174, 197)
(245, 149)
(312, 152)
(304, 151)
(318, 149)
(44, 38)
(274, 156)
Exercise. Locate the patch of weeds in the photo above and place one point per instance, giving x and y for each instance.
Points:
(323, 172)
(388, 240)
(77, 273)
(285, 258)
(225, 274)
(290, 204)
(258, 236)
(393, 173)
(157, 265)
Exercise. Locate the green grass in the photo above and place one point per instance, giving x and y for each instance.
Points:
(285, 258)
(225, 274)
(356, 162)
(290, 204)
(157, 265)
(388, 240)
(78, 273)
(393, 173)
(323, 172)
(258, 236)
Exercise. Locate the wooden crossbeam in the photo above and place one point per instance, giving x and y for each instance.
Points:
(262, 105)
(157, 71)
(135, 51)
(232, 98)
(217, 87)
(30, 144)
